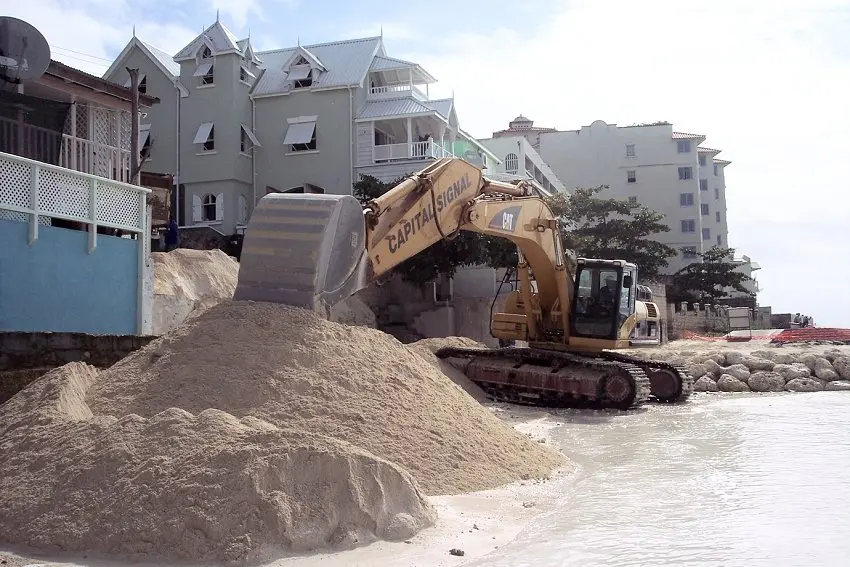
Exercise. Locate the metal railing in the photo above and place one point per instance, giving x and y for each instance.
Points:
(389, 91)
(408, 150)
(75, 153)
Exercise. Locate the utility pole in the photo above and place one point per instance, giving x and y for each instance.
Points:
(134, 126)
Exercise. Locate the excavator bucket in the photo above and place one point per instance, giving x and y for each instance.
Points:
(304, 250)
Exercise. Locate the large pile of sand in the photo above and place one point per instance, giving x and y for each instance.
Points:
(255, 426)
(189, 281)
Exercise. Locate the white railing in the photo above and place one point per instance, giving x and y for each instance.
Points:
(38, 192)
(412, 150)
(78, 154)
(390, 91)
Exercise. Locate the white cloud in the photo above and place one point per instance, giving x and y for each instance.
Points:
(758, 78)
(239, 10)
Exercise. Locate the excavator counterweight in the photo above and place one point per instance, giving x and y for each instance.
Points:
(313, 251)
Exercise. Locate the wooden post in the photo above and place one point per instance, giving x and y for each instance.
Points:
(134, 126)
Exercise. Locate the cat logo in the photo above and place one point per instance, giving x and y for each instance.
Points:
(505, 219)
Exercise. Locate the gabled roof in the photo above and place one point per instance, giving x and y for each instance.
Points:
(309, 57)
(347, 63)
(219, 39)
(708, 151)
(247, 50)
(162, 60)
(384, 63)
(396, 108)
(95, 83)
(686, 136)
(721, 161)
(443, 106)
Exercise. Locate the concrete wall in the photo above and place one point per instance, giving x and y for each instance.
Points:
(55, 284)
(522, 148)
(329, 166)
(717, 190)
(596, 155)
(161, 117)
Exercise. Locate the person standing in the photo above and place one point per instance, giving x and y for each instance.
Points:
(172, 236)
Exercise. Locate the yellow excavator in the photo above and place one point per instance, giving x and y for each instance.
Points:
(314, 250)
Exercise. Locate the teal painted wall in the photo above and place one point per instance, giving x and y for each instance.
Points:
(56, 285)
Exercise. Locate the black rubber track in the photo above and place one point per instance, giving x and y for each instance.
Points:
(639, 380)
(686, 381)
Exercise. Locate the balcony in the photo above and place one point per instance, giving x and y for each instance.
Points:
(395, 91)
(408, 151)
(71, 152)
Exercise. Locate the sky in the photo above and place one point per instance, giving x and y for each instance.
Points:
(767, 81)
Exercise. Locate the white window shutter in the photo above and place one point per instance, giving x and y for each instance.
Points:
(243, 209)
(219, 206)
(196, 209)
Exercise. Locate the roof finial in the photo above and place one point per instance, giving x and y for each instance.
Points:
(134, 30)
(249, 32)
(216, 15)
(299, 41)
(382, 31)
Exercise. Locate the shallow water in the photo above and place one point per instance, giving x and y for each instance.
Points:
(723, 480)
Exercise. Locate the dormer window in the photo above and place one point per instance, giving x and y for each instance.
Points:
(206, 53)
(301, 76)
(206, 67)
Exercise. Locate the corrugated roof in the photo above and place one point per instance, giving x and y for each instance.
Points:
(347, 63)
(685, 136)
(442, 106)
(221, 38)
(394, 107)
(164, 58)
(382, 63)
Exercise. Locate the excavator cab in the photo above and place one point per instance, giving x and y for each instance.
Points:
(603, 300)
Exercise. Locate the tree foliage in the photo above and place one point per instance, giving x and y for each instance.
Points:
(596, 227)
(705, 280)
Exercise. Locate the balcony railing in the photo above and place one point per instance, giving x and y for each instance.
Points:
(394, 91)
(36, 192)
(405, 151)
(78, 154)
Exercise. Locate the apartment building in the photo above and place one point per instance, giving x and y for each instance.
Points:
(524, 127)
(519, 160)
(655, 166)
(236, 124)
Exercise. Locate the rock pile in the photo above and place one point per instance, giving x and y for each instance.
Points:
(769, 370)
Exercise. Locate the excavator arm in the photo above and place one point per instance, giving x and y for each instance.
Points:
(313, 250)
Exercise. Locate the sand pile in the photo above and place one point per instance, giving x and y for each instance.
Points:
(187, 281)
(251, 427)
(182, 486)
(426, 349)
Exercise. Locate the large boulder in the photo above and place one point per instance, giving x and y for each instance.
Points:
(808, 359)
(842, 366)
(734, 357)
(728, 383)
(706, 384)
(837, 385)
(697, 371)
(712, 367)
(765, 381)
(738, 371)
(824, 370)
(804, 385)
(756, 363)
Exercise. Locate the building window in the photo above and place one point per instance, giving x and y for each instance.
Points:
(717, 216)
(206, 73)
(689, 252)
(631, 176)
(209, 208)
(689, 225)
(704, 209)
(630, 150)
(683, 146)
(245, 75)
(702, 160)
(686, 199)
(719, 242)
(633, 200)
(143, 84)
(301, 76)
(715, 169)
(301, 134)
(247, 139)
(511, 163)
(706, 234)
(686, 173)
(703, 184)
(716, 193)
(144, 141)
(205, 136)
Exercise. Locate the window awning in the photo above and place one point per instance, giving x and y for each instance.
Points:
(298, 73)
(300, 133)
(203, 133)
(203, 69)
(141, 78)
(144, 134)
(251, 135)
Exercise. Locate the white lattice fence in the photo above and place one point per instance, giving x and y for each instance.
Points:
(29, 187)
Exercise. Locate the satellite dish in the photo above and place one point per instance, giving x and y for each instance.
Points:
(24, 53)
